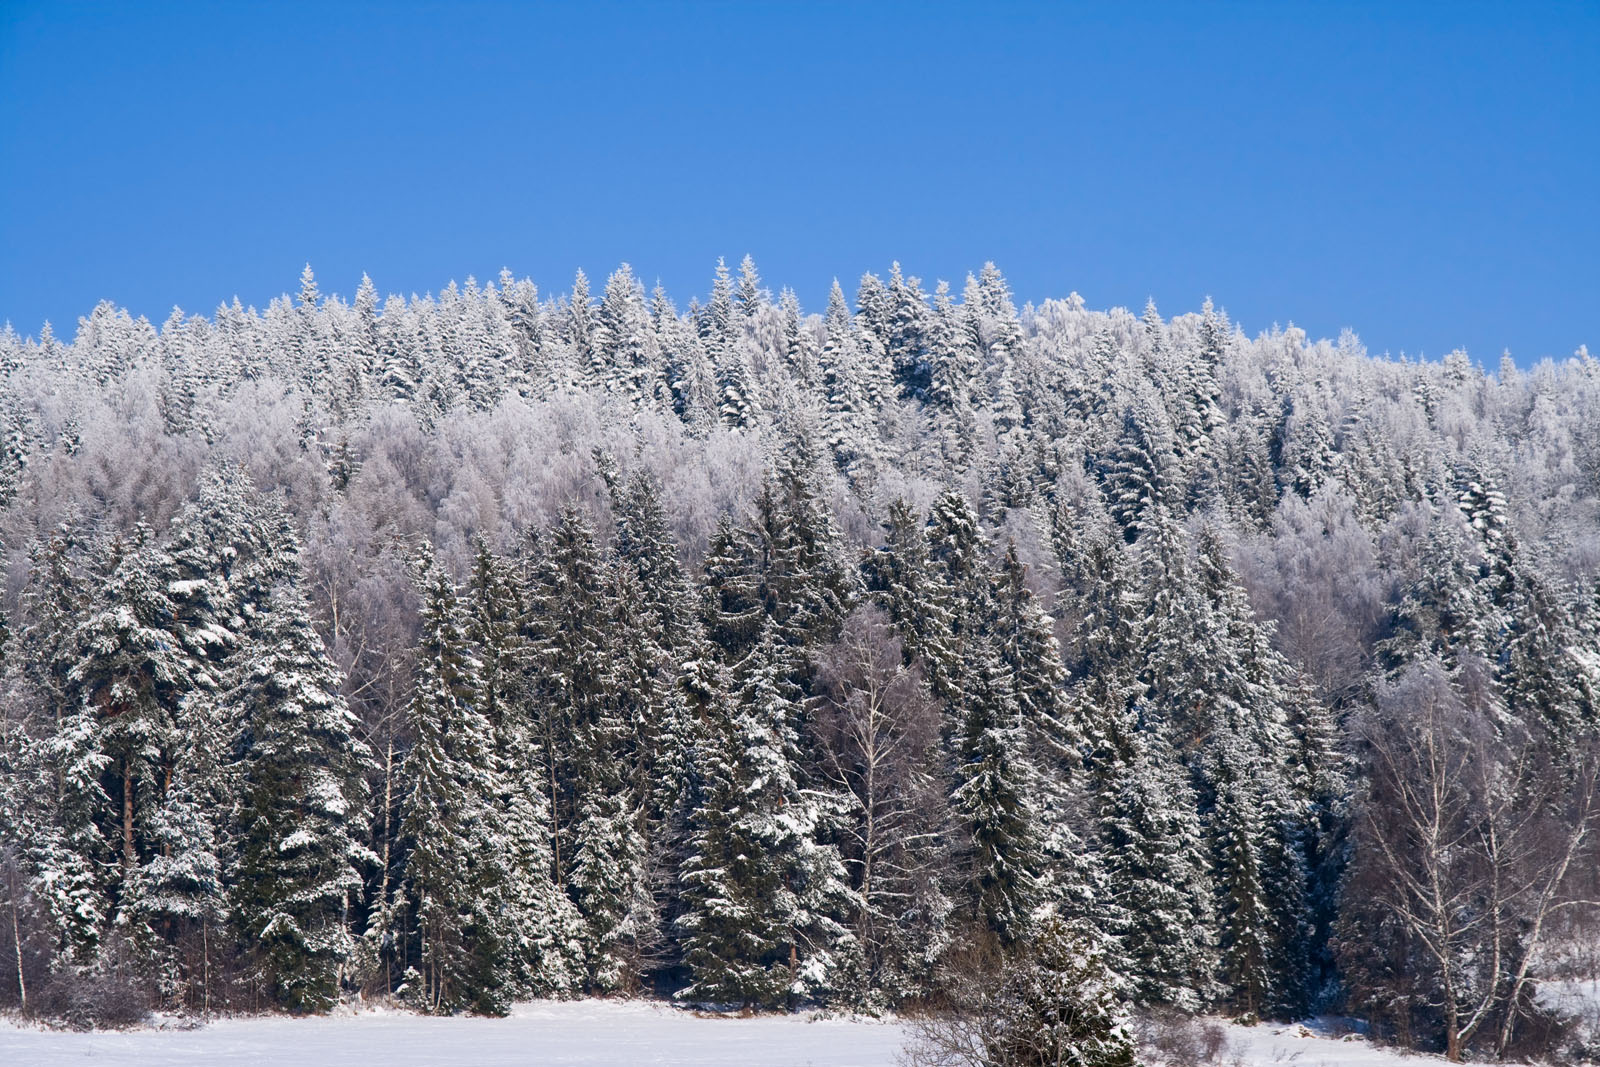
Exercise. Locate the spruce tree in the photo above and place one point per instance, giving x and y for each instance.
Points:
(764, 903)
(131, 674)
(1137, 470)
(918, 600)
(989, 797)
(451, 867)
(1158, 885)
(542, 934)
(298, 775)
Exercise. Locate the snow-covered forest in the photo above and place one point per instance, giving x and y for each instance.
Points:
(491, 645)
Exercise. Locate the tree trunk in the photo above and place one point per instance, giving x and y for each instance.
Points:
(128, 857)
(555, 817)
(1452, 1027)
(16, 941)
(383, 879)
(205, 969)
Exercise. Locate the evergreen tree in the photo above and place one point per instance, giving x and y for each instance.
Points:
(918, 601)
(1540, 679)
(130, 676)
(569, 619)
(541, 930)
(990, 797)
(621, 359)
(748, 298)
(763, 902)
(1057, 1002)
(579, 326)
(298, 772)
(1158, 885)
(1137, 471)
(450, 870)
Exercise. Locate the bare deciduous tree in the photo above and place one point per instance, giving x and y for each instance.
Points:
(1472, 836)
(878, 727)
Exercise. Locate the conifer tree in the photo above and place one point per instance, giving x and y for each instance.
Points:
(907, 329)
(569, 618)
(298, 773)
(542, 931)
(748, 298)
(621, 357)
(1541, 681)
(764, 904)
(917, 599)
(989, 798)
(130, 675)
(450, 870)
(579, 325)
(1158, 885)
(1138, 471)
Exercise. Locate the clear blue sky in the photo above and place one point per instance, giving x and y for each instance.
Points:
(1425, 175)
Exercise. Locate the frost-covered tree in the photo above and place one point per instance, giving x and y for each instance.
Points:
(1158, 880)
(764, 905)
(453, 864)
(1160, 730)
(297, 775)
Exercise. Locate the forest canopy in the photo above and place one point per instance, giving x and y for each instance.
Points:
(488, 644)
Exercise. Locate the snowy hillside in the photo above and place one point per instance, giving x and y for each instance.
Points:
(498, 645)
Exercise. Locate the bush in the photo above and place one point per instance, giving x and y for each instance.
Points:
(93, 1001)
(1174, 1040)
(1054, 1005)
(112, 994)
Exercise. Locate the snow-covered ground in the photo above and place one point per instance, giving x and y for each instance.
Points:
(1308, 1045)
(545, 1034)
(581, 1034)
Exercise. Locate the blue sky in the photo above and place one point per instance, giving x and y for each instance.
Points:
(1425, 175)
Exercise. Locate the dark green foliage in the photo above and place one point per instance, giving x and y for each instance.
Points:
(298, 779)
(450, 869)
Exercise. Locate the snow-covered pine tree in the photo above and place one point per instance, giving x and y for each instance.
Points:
(578, 327)
(764, 905)
(645, 542)
(615, 749)
(621, 357)
(542, 931)
(1158, 893)
(989, 796)
(297, 774)
(1103, 653)
(1057, 1001)
(1138, 470)
(907, 328)
(452, 866)
(179, 895)
(1319, 781)
(1048, 732)
(569, 612)
(918, 600)
(748, 296)
(847, 424)
(808, 588)
(131, 675)
(1541, 680)
(1443, 611)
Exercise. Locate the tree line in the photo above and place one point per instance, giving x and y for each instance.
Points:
(481, 646)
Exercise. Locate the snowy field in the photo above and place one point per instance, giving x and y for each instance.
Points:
(583, 1034)
(1276, 1045)
(545, 1034)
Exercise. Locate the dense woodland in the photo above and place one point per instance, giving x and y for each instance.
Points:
(487, 645)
